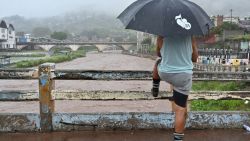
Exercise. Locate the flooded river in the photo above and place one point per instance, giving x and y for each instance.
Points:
(93, 61)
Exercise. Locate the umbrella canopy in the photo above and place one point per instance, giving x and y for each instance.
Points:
(166, 17)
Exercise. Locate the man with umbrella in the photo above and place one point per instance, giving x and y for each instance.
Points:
(175, 22)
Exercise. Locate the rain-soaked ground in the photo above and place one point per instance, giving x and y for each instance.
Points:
(191, 135)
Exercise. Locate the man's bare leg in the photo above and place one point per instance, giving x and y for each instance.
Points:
(179, 106)
(180, 118)
(155, 71)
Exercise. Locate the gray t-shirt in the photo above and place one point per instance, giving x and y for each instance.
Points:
(176, 55)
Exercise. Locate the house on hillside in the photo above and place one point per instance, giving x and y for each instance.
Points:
(245, 24)
(142, 36)
(228, 34)
(219, 19)
(241, 44)
(21, 37)
(7, 36)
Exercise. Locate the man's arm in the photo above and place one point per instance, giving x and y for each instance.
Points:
(195, 50)
(159, 45)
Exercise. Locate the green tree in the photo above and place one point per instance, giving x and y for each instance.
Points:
(225, 26)
(59, 35)
(147, 41)
(41, 31)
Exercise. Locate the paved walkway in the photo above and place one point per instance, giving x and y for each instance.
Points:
(191, 135)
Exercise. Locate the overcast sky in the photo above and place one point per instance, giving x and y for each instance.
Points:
(45, 8)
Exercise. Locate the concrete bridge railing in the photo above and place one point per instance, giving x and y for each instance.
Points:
(74, 46)
(48, 120)
(78, 43)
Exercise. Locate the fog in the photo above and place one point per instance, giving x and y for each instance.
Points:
(45, 8)
(222, 7)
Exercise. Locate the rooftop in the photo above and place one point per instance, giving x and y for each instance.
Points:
(3, 24)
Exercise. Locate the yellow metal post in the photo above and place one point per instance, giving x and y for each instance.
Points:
(47, 101)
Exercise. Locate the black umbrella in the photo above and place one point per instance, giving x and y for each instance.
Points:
(166, 17)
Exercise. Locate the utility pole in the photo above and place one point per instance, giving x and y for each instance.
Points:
(231, 11)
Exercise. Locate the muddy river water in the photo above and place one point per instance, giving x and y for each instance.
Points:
(93, 61)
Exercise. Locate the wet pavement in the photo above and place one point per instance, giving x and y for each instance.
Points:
(190, 135)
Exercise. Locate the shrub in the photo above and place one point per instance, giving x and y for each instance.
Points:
(52, 59)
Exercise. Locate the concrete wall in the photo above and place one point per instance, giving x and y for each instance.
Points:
(122, 121)
(19, 122)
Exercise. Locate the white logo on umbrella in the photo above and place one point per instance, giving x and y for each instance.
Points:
(183, 22)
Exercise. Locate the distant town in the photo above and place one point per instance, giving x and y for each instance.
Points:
(229, 39)
(8, 33)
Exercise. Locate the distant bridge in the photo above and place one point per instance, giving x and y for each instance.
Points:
(101, 46)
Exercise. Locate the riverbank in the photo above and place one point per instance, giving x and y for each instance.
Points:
(57, 58)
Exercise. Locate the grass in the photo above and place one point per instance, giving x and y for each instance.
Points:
(57, 57)
(219, 105)
(53, 59)
(218, 86)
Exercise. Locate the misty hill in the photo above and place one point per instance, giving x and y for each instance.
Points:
(78, 23)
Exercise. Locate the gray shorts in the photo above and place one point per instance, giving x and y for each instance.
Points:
(182, 82)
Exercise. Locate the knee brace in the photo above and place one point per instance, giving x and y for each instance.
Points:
(180, 99)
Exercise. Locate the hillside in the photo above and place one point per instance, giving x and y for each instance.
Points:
(78, 23)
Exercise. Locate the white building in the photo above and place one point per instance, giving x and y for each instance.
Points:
(21, 37)
(220, 19)
(234, 20)
(7, 36)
